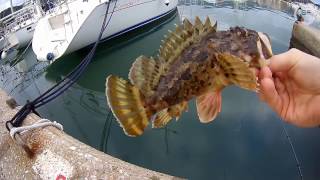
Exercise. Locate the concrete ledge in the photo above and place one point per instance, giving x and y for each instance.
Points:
(58, 155)
(306, 38)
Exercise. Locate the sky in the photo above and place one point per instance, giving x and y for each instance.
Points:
(4, 4)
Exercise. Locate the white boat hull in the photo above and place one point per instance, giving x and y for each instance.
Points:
(18, 27)
(21, 37)
(128, 15)
(24, 35)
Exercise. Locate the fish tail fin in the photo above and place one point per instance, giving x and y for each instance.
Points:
(127, 104)
(209, 106)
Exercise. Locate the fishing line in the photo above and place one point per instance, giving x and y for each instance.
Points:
(106, 132)
(293, 150)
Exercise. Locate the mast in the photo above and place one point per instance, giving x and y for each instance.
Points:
(11, 6)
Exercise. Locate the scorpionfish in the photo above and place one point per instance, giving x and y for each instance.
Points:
(194, 61)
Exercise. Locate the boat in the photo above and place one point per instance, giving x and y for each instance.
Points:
(75, 24)
(310, 12)
(18, 27)
(2, 40)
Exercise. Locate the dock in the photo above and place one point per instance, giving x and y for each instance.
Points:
(306, 38)
(56, 155)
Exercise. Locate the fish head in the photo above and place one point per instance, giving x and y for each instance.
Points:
(242, 52)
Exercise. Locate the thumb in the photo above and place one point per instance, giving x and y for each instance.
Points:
(285, 61)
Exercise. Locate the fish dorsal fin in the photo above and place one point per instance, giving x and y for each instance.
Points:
(145, 74)
(209, 106)
(163, 117)
(237, 71)
(183, 36)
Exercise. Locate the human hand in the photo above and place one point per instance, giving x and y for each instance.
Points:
(291, 86)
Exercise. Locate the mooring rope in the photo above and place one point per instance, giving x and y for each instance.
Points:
(62, 85)
(293, 150)
(17, 59)
(39, 124)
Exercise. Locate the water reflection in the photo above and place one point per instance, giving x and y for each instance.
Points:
(246, 141)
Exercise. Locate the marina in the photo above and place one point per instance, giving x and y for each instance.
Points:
(68, 27)
(246, 141)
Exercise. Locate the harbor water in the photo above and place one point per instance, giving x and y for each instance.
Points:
(246, 141)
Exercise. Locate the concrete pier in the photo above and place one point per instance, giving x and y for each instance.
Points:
(58, 155)
(306, 38)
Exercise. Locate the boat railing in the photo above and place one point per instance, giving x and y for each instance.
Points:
(63, 7)
(17, 19)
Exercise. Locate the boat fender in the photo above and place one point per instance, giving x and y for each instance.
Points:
(4, 54)
(50, 56)
(166, 2)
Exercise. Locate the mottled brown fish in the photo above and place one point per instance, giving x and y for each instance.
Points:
(194, 61)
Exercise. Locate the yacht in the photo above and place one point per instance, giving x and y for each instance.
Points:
(18, 27)
(75, 24)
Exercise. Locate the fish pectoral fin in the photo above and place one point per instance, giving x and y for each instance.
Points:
(164, 117)
(208, 106)
(238, 72)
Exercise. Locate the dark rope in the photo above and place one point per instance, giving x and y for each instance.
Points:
(63, 84)
(19, 58)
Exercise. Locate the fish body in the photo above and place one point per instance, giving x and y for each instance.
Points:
(195, 61)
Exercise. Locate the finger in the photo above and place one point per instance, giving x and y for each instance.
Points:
(261, 96)
(270, 93)
(285, 61)
(265, 72)
(279, 75)
(279, 85)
